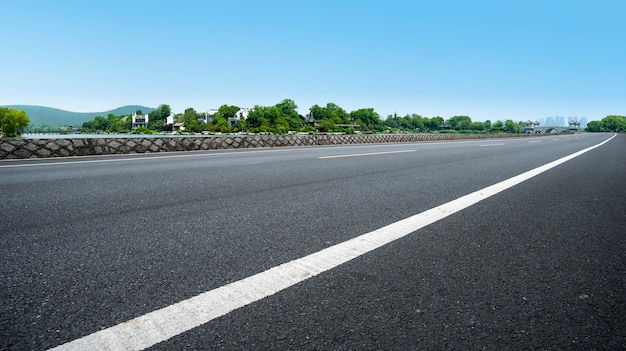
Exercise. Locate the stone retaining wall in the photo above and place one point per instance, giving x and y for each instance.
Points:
(40, 148)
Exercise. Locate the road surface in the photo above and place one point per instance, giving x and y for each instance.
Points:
(126, 251)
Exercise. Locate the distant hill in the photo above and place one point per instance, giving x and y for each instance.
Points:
(41, 115)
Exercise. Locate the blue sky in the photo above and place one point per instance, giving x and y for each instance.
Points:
(492, 60)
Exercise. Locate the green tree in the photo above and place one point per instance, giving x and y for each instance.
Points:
(337, 114)
(156, 118)
(288, 108)
(117, 126)
(433, 123)
(487, 125)
(279, 118)
(614, 123)
(417, 122)
(326, 125)
(13, 121)
(164, 111)
(256, 118)
(281, 124)
(406, 122)
(511, 126)
(318, 113)
(497, 126)
(219, 123)
(272, 113)
(190, 118)
(228, 111)
(114, 124)
(460, 123)
(240, 125)
(329, 116)
(289, 111)
(367, 118)
(97, 124)
(594, 126)
(392, 122)
(477, 126)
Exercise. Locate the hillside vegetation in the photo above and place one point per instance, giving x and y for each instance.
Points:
(48, 116)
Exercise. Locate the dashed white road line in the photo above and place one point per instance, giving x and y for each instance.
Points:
(160, 325)
(367, 154)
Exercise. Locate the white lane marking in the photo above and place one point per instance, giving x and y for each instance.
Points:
(534, 141)
(500, 144)
(367, 154)
(135, 157)
(160, 325)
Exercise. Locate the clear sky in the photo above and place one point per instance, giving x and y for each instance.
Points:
(492, 60)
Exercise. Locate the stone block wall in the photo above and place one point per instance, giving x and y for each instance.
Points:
(61, 147)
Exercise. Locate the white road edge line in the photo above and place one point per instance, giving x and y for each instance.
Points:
(160, 325)
(130, 157)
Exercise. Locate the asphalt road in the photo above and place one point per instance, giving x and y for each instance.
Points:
(90, 243)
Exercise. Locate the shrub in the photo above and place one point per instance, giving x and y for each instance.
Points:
(142, 130)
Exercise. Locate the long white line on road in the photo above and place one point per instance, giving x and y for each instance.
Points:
(367, 154)
(160, 325)
(130, 157)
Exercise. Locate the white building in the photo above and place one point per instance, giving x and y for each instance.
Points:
(169, 119)
(139, 121)
(208, 116)
(242, 113)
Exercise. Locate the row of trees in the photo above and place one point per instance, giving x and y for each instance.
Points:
(455, 124)
(122, 124)
(284, 117)
(13, 121)
(109, 124)
(612, 123)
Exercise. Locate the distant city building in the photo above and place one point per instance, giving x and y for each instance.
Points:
(559, 121)
(555, 121)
